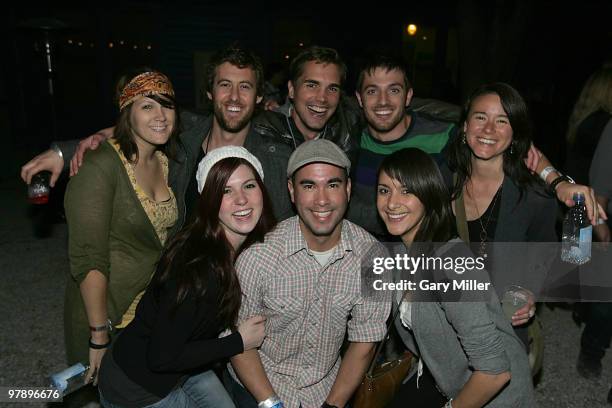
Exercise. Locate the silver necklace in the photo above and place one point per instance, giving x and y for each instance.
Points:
(483, 227)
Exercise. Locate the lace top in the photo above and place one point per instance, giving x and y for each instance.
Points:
(162, 214)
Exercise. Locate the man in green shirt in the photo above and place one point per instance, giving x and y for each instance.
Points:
(385, 94)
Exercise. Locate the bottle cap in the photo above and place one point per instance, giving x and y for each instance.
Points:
(578, 198)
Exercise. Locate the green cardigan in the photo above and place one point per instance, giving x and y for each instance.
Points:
(108, 231)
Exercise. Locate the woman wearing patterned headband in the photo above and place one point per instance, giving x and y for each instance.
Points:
(119, 208)
(163, 358)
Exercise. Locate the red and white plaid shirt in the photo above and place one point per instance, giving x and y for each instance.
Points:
(309, 308)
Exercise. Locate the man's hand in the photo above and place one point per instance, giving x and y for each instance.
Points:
(565, 193)
(271, 104)
(565, 190)
(250, 371)
(352, 370)
(49, 160)
(90, 143)
(602, 232)
(533, 158)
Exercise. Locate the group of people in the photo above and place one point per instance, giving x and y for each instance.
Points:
(240, 235)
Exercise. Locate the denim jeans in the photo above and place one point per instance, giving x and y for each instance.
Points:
(240, 395)
(202, 390)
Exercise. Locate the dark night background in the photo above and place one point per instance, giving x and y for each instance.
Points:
(546, 49)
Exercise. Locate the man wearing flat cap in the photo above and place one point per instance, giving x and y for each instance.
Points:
(305, 278)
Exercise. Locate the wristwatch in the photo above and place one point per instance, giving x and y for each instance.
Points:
(561, 178)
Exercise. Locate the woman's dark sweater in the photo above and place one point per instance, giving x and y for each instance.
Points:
(164, 344)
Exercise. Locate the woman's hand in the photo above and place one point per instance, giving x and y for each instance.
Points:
(95, 357)
(93, 292)
(252, 332)
(525, 313)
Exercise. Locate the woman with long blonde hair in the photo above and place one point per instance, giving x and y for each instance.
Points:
(596, 96)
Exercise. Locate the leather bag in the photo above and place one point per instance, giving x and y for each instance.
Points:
(382, 380)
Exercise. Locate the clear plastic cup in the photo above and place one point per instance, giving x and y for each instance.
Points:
(515, 297)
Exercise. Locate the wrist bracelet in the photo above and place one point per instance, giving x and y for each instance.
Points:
(55, 147)
(271, 402)
(547, 170)
(560, 179)
(105, 327)
(99, 346)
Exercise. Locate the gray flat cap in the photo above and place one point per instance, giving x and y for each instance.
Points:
(317, 151)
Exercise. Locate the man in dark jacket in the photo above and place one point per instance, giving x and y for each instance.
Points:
(234, 86)
(316, 107)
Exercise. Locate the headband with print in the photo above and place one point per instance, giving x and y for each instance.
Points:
(145, 84)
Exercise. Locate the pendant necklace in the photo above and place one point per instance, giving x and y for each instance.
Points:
(483, 227)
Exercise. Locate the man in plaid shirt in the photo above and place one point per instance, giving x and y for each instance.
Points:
(305, 278)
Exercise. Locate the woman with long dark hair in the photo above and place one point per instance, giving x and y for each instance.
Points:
(495, 196)
(468, 346)
(163, 358)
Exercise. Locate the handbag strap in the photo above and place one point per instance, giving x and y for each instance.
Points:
(381, 344)
(460, 217)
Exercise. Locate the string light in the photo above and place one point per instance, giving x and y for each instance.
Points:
(112, 44)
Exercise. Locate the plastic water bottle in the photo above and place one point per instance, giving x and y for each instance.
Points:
(577, 233)
(70, 379)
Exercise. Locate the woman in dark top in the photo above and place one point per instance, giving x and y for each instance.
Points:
(493, 189)
(163, 358)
